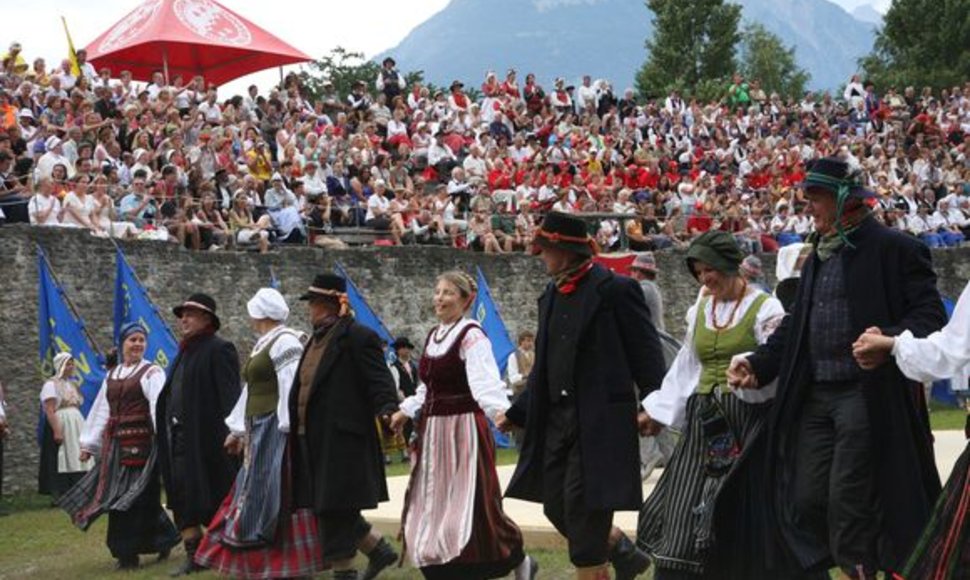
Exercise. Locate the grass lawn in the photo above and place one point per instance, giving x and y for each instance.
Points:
(37, 541)
(946, 418)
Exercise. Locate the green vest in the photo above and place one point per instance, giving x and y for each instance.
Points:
(715, 348)
(260, 376)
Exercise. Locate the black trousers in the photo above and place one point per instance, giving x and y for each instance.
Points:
(340, 532)
(834, 478)
(586, 531)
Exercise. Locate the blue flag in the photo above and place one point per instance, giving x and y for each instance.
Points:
(942, 390)
(362, 311)
(133, 304)
(485, 312)
(60, 330)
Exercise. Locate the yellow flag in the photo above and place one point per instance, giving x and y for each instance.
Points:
(71, 53)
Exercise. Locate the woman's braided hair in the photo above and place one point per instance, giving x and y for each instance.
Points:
(462, 280)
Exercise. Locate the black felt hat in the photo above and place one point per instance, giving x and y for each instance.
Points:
(202, 302)
(560, 230)
(325, 286)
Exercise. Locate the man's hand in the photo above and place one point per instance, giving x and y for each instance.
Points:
(84, 455)
(233, 444)
(740, 375)
(872, 349)
(647, 426)
(502, 422)
(397, 421)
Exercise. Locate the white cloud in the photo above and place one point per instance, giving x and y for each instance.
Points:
(367, 26)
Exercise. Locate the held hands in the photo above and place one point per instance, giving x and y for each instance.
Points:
(872, 349)
(84, 456)
(396, 421)
(502, 423)
(647, 426)
(740, 375)
(233, 444)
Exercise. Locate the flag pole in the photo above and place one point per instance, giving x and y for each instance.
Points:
(67, 300)
(71, 53)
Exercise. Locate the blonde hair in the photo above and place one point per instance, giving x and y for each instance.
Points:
(465, 283)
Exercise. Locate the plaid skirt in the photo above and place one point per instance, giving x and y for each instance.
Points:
(296, 553)
(943, 552)
(291, 544)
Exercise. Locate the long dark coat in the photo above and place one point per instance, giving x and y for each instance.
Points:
(889, 283)
(618, 361)
(351, 387)
(211, 387)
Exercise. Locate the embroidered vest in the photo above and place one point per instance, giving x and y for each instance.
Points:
(716, 347)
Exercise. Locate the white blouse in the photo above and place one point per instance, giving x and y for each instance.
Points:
(84, 209)
(945, 354)
(475, 349)
(151, 386)
(668, 404)
(285, 353)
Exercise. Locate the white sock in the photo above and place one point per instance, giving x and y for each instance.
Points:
(523, 569)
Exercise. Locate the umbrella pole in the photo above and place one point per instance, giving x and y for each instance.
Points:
(281, 78)
(165, 64)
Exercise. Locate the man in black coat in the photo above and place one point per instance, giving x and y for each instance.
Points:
(341, 385)
(597, 355)
(850, 452)
(201, 389)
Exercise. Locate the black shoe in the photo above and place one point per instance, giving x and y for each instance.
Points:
(127, 563)
(628, 560)
(382, 556)
(163, 555)
(189, 566)
(345, 575)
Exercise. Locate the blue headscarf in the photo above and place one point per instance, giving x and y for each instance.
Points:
(129, 329)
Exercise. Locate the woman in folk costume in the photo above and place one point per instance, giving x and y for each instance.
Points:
(453, 522)
(61, 466)
(702, 520)
(254, 534)
(943, 551)
(120, 431)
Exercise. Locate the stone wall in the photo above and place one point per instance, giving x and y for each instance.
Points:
(397, 283)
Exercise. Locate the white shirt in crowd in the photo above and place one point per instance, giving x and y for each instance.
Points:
(44, 210)
(486, 385)
(378, 203)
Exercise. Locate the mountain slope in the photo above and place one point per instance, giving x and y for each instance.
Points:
(605, 38)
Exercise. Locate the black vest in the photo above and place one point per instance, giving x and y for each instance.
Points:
(407, 384)
(562, 333)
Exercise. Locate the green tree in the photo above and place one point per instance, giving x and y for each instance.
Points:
(763, 56)
(344, 68)
(692, 49)
(921, 43)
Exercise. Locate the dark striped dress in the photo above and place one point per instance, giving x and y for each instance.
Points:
(705, 517)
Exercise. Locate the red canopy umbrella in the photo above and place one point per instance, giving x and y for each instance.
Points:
(189, 37)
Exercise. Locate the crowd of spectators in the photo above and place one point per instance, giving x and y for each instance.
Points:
(171, 161)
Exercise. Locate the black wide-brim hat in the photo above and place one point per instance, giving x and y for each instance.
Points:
(831, 173)
(201, 302)
(402, 342)
(561, 230)
(325, 286)
(389, 60)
